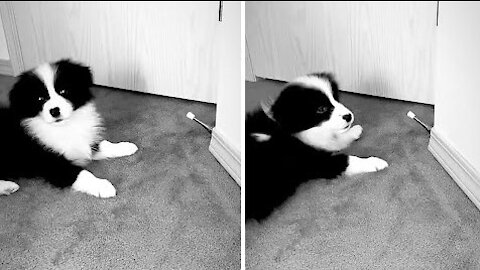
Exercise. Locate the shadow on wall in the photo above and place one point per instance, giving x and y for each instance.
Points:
(375, 85)
(125, 79)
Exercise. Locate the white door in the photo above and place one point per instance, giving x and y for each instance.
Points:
(378, 48)
(165, 48)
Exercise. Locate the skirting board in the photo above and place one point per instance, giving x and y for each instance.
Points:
(466, 177)
(228, 157)
(6, 67)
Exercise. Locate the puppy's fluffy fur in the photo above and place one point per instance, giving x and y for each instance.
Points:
(296, 139)
(52, 130)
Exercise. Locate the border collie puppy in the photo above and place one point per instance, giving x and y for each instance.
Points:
(296, 139)
(52, 130)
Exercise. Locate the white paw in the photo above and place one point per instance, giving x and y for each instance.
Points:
(260, 137)
(104, 189)
(376, 164)
(124, 149)
(8, 187)
(87, 183)
(356, 131)
(358, 165)
(114, 150)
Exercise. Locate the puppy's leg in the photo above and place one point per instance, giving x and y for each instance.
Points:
(62, 173)
(107, 149)
(351, 135)
(358, 165)
(355, 132)
(341, 141)
(87, 182)
(8, 187)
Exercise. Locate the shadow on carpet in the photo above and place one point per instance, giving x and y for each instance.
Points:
(412, 215)
(176, 207)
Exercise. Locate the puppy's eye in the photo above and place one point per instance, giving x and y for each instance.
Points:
(321, 110)
(41, 99)
(62, 92)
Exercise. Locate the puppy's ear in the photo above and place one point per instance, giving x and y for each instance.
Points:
(289, 108)
(331, 79)
(15, 93)
(22, 101)
(75, 72)
(333, 83)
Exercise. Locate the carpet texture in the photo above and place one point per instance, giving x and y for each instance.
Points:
(176, 207)
(412, 215)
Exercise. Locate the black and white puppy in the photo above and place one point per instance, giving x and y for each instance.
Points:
(52, 130)
(296, 139)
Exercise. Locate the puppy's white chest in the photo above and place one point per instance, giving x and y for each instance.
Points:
(74, 146)
(72, 137)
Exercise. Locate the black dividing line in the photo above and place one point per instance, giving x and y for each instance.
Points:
(220, 11)
(438, 7)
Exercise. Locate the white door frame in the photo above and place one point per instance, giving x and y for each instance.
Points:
(11, 36)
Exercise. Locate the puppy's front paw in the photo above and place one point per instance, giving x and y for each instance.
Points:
(358, 165)
(8, 187)
(124, 149)
(86, 182)
(104, 189)
(375, 164)
(356, 131)
(114, 150)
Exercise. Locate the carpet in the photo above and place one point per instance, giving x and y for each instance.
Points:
(412, 215)
(176, 207)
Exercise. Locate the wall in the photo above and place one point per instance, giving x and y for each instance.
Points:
(3, 44)
(229, 116)
(229, 91)
(457, 83)
(376, 48)
(164, 48)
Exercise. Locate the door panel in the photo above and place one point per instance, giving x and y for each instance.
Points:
(161, 48)
(375, 48)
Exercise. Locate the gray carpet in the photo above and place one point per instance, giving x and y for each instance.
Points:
(176, 207)
(410, 216)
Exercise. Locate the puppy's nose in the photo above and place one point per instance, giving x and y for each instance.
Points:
(347, 117)
(55, 112)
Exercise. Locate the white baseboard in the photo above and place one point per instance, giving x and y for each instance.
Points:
(6, 67)
(466, 177)
(226, 155)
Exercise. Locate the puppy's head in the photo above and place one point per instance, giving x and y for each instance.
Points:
(308, 108)
(52, 92)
